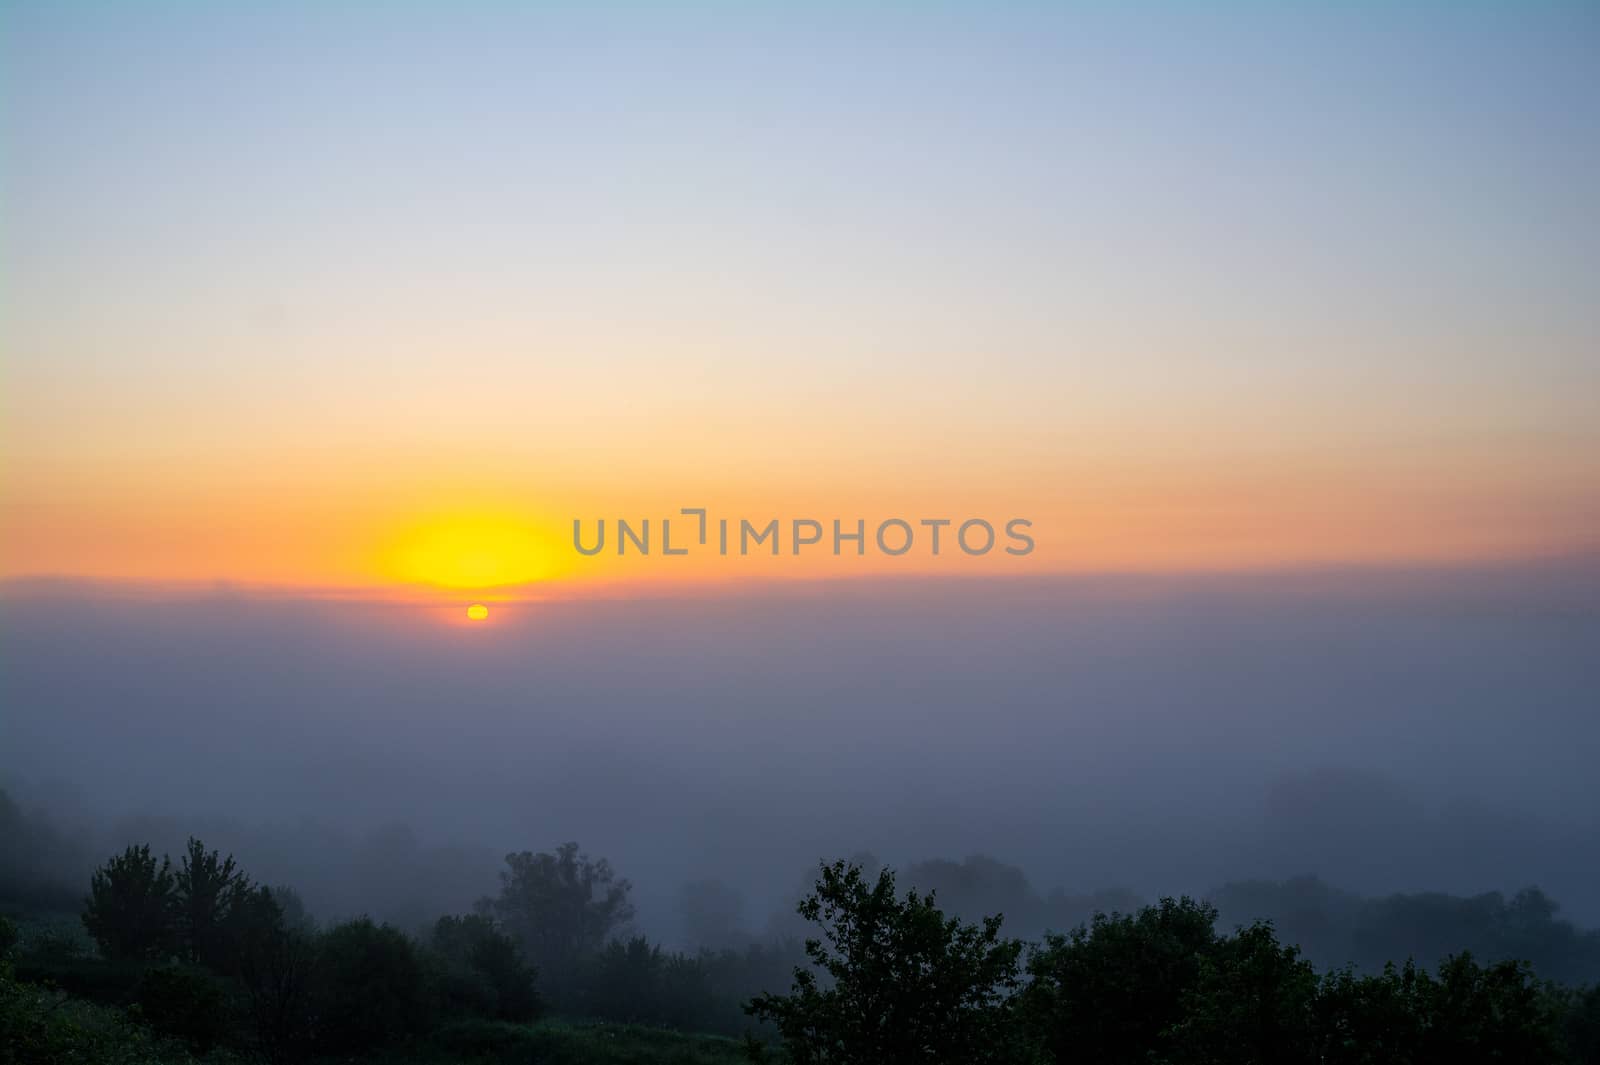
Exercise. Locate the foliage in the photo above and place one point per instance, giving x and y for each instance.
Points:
(484, 970)
(1580, 1025)
(1252, 1003)
(50, 942)
(207, 888)
(1335, 928)
(185, 1002)
(574, 1043)
(1465, 1014)
(637, 982)
(248, 926)
(561, 907)
(129, 911)
(1110, 990)
(905, 983)
(113, 983)
(892, 978)
(369, 988)
(292, 908)
(276, 972)
(1161, 985)
(40, 1026)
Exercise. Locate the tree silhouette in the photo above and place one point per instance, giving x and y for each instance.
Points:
(561, 906)
(129, 911)
(485, 969)
(1111, 989)
(208, 888)
(904, 983)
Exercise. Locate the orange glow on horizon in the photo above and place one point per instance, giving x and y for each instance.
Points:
(469, 551)
(439, 526)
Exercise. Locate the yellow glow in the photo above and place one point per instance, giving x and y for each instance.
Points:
(469, 552)
(477, 612)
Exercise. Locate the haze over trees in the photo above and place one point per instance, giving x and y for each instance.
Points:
(1268, 750)
(561, 906)
(220, 967)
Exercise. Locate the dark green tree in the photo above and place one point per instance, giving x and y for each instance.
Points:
(185, 1002)
(248, 925)
(207, 888)
(277, 971)
(561, 907)
(293, 908)
(484, 969)
(1465, 1014)
(1580, 1026)
(369, 988)
(1481, 1014)
(1253, 1003)
(895, 981)
(1110, 990)
(130, 908)
(1371, 1020)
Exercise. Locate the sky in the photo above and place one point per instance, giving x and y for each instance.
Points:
(385, 296)
(1279, 324)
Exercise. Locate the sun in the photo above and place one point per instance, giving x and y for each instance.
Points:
(469, 552)
(477, 612)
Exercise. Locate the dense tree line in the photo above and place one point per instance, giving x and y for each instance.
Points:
(1336, 928)
(893, 980)
(209, 959)
(1332, 928)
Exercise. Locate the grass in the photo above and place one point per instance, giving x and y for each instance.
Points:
(560, 1042)
(39, 1026)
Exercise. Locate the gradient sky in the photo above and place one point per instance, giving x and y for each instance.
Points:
(295, 293)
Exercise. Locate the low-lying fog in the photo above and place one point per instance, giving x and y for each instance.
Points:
(1387, 731)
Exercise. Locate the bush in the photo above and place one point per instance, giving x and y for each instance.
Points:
(186, 1003)
(279, 979)
(43, 1027)
(53, 942)
(483, 970)
(636, 982)
(370, 988)
(487, 1040)
(583, 1043)
(111, 983)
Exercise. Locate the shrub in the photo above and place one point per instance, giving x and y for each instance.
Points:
(44, 1027)
(484, 972)
(186, 1003)
(487, 1040)
(370, 988)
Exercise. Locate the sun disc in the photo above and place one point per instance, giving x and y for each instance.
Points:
(477, 612)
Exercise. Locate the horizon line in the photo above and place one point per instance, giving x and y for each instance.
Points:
(35, 586)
